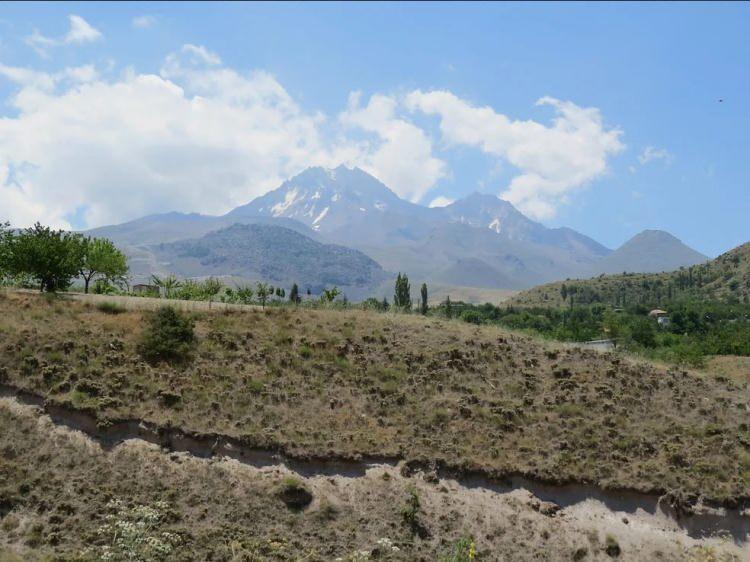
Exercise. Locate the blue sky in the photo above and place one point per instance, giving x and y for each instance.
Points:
(103, 143)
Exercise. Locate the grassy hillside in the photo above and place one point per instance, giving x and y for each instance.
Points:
(724, 278)
(350, 383)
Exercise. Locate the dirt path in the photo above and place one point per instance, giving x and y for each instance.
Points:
(644, 525)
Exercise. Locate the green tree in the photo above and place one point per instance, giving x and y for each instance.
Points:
(402, 295)
(294, 294)
(564, 292)
(448, 307)
(329, 295)
(51, 257)
(244, 294)
(423, 301)
(263, 291)
(102, 258)
(5, 242)
(210, 288)
(642, 331)
(168, 336)
(169, 283)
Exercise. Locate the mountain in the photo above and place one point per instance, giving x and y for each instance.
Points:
(271, 253)
(651, 251)
(347, 205)
(487, 211)
(169, 227)
(479, 241)
(505, 248)
(725, 278)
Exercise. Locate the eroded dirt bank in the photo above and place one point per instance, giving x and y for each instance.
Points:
(643, 523)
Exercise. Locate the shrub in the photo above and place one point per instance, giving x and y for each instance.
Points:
(471, 316)
(411, 507)
(463, 551)
(293, 492)
(110, 308)
(168, 336)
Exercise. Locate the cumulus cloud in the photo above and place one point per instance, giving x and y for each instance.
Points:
(79, 32)
(441, 201)
(85, 149)
(112, 151)
(401, 156)
(553, 160)
(651, 154)
(143, 22)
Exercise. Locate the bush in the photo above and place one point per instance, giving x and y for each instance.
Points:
(110, 308)
(293, 492)
(168, 336)
(471, 316)
(463, 551)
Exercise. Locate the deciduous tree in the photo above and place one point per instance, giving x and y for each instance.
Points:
(101, 258)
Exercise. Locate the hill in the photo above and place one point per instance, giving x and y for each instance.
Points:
(271, 253)
(726, 278)
(288, 427)
(651, 251)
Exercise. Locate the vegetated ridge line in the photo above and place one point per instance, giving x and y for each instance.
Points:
(699, 519)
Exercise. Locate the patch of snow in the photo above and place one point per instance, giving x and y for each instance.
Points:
(316, 196)
(495, 225)
(320, 217)
(363, 209)
(336, 197)
(379, 205)
(290, 198)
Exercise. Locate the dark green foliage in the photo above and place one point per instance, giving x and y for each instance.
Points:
(102, 258)
(643, 332)
(51, 257)
(471, 316)
(168, 336)
(697, 328)
(374, 303)
(294, 294)
(423, 299)
(110, 308)
(5, 240)
(411, 507)
(402, 295)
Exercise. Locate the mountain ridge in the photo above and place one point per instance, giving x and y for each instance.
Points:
(482, 236)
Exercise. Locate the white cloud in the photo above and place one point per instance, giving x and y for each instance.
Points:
(402, 155)
(199, 54)
(143, 22)
(200, 136)
(79, 32)
(441, 201)
(553, 161)
(114, 151)
(651, 154)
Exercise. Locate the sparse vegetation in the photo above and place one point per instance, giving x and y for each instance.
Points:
(354, 382)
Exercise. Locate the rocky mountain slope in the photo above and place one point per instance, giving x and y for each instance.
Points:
(479, 241)
(271, 253)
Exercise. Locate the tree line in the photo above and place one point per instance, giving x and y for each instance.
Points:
(51, 259)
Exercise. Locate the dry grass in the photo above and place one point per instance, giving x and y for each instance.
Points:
(731, 366)
(357, 383)
(58, 490)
